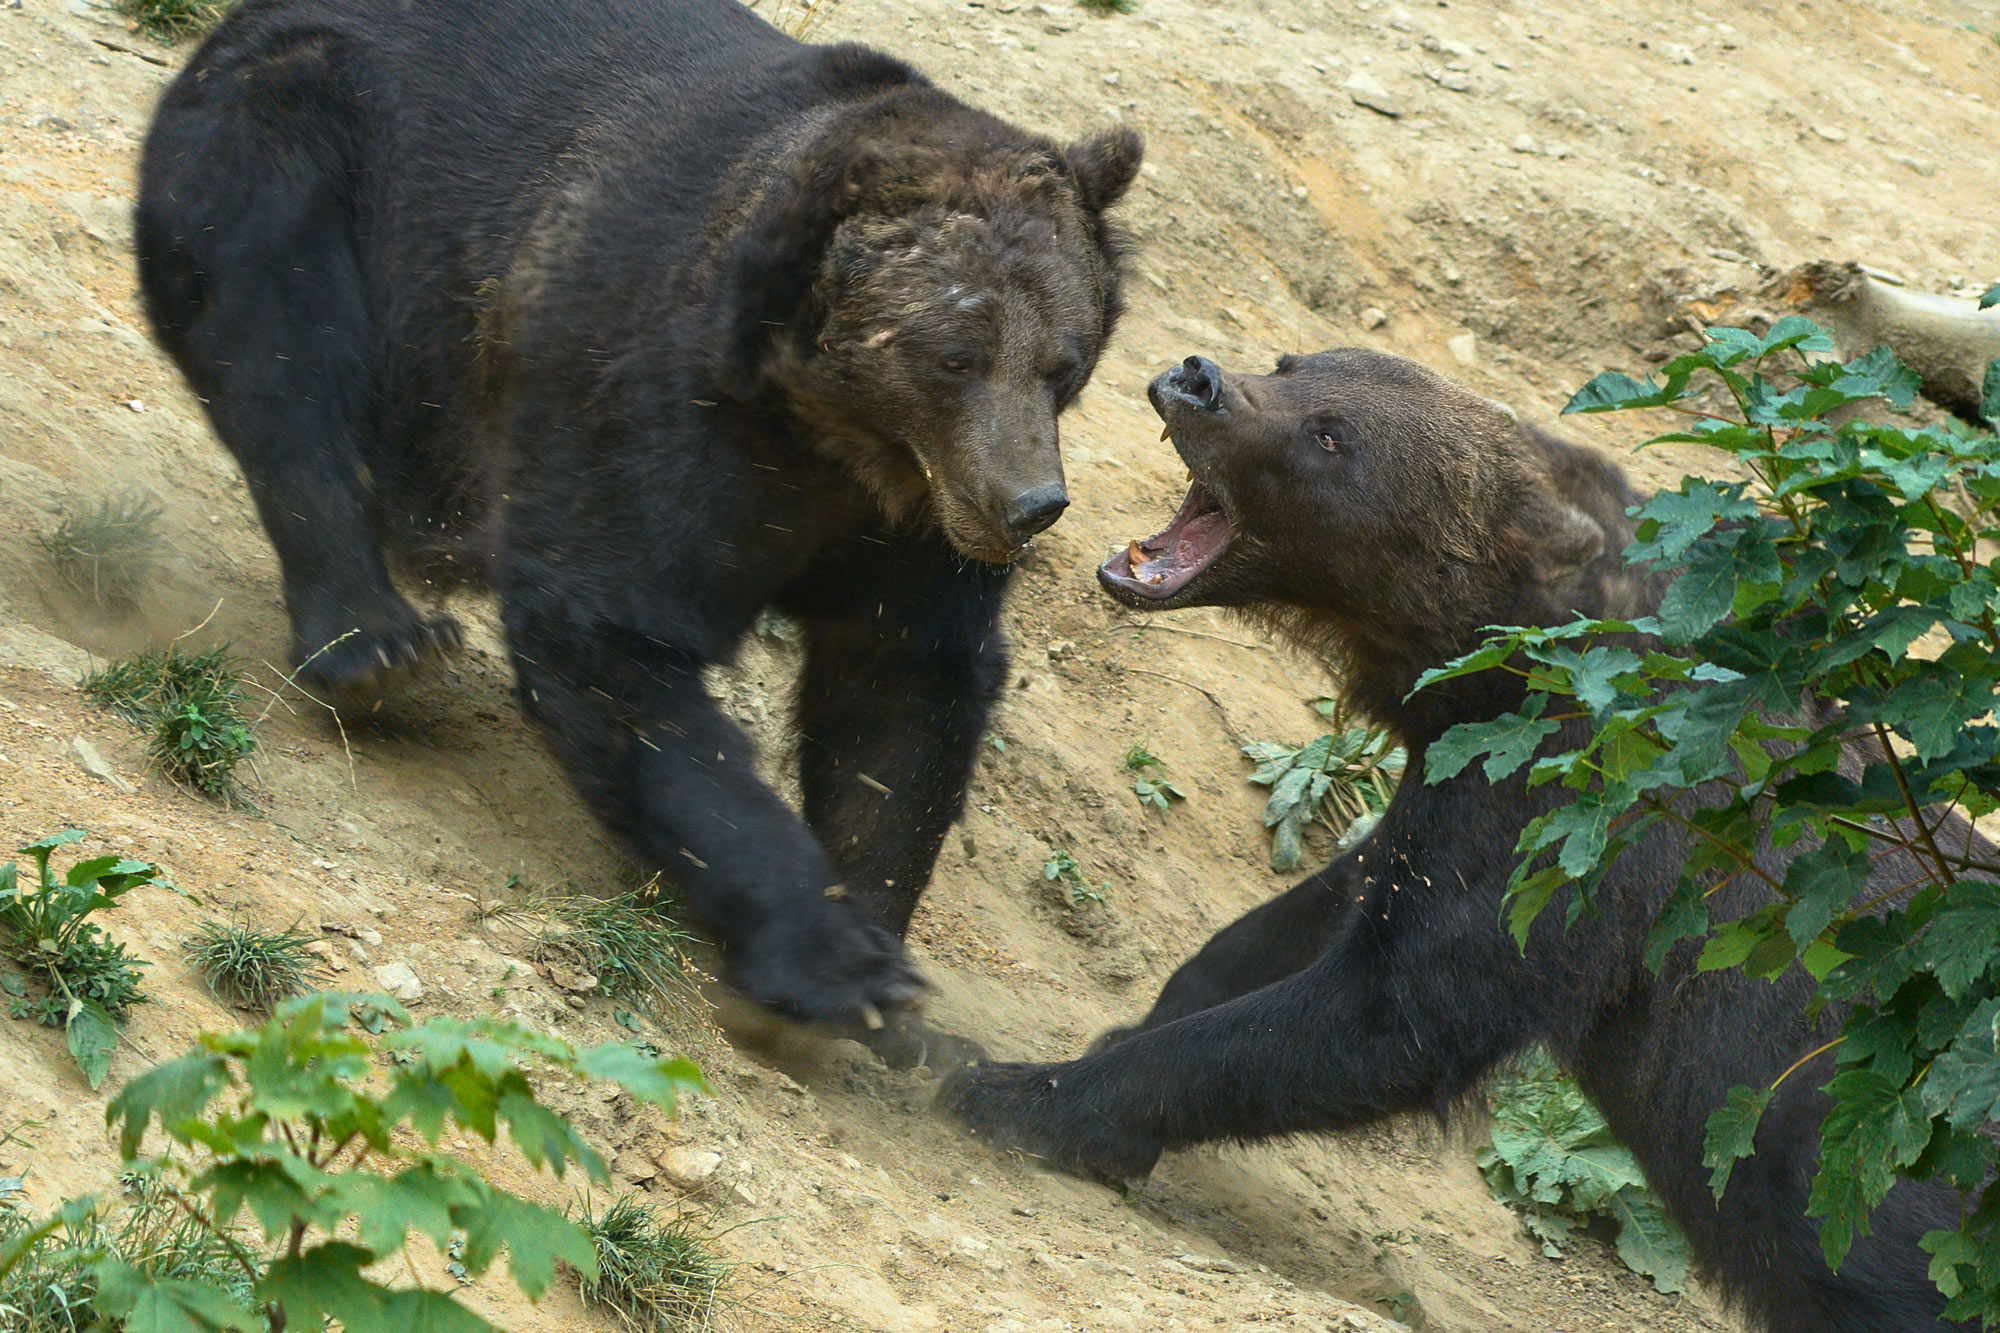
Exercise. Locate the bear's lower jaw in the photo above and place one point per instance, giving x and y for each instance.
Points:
(1161, 567)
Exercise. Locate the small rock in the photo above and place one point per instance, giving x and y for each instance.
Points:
(1525, 143)
(1830, 133)
(1113, 78)
(1299, 192)
(1024, 1210)
(371, 938)
(1464, 349)
(1454, 80)
(323, 951)
(1060, 648)
(135, 404)
(1401, 19)
(635, 1168)
(90, 761)
(572, 980)
(688, 1169)
(400, 980)
(1374, 317)
(1367, 90)
(742, 1192)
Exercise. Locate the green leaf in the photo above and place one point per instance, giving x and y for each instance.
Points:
(146, 1303)
(92, 1034)
(1732, 1134)
(1964, 936)
(1964, 1082)
(1613, 392)
(1880, 375)
(1508, 741)
(535, 1238)
(175, 1092)
(1700, 597)
(1822, 883)
(1685, 917)
(1874, 1127)
(1672, 520)
(1989, 388)
(656, 1079)
(1648, 1240)
(16, 1247)
(1991, 298)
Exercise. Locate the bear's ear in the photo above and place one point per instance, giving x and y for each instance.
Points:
(1104, 167)
(1557, 537)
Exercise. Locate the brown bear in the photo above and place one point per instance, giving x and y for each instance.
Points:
(654, 318)
(1380, 516)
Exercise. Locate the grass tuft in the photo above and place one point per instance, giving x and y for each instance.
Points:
(192, 705)
(174, 20)
(1108, 7)
(251, 968)
(629, 945)
(655, 1272)
(105, 551)
(52, 1290)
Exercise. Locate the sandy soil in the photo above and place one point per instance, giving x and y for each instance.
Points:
(1557, 185)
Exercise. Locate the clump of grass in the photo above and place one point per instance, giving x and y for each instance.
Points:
(191, 703)
(1108, 7)
(173, 20)
(251, 968)
(630, 944)
(1342, 779)
(654, 1271)
(53, 1290)
(105, 550)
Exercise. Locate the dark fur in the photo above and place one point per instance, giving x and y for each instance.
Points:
(1384, 983)
(657, 318)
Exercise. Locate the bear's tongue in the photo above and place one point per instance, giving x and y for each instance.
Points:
(1162, 564)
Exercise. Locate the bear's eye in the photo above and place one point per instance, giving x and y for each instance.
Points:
(1330, 438)
(956, 363)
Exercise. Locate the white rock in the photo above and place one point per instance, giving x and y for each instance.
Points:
(1525, 143)
(1367, 90)
(400, 980)
(1374, 317)
(90, 761)
(688, 1169)
(1464, 349)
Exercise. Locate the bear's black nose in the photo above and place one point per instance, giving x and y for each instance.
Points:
(1034, 509)
(1199, 378)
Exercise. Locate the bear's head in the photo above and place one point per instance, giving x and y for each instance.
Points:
(1376, 513)
(930, 289)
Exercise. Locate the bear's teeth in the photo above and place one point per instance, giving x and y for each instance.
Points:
(1166, 432)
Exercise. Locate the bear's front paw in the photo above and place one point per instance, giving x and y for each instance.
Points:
(1025, 1107)
(353, 670)
(837, 967)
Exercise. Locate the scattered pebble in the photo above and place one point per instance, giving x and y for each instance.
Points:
(400, 980)
(1367, 90)
(1525, 143)
(1830, 133)
(688, 1169)
(1464, 349)
(1374, 317)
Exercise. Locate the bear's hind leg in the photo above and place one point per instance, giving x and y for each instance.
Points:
(251, 270)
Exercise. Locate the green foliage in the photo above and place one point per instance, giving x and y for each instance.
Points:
(1853, 568)
(655, 1272)
(1106, 8)
(334, 1162)
(1062, 870)
(53, 1286)
(627, 946)
(87, 979)
(1149, 778)
(1338, 778)
(1553, 1157)
(190, 704)
(173, 20)
(249, 967)
(105, 550)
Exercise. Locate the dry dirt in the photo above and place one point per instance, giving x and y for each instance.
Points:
(1560, 180)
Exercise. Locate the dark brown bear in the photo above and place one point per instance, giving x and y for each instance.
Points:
(656, 318)
(1380, 516)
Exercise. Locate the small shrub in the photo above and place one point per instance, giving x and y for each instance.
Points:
(629, 945)
(1553, 1158)
(1149, 778)
(1062, 870)
(1106, 8)
(1339, 779)
(105, 551)
(174, 20)
(88, 980)
(248, 967)
(334, 1157)
(191, 703)
(654, 1271)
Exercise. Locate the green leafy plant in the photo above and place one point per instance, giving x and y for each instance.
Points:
(1106, 8)
(88, 979)
(1338, 778)
(335, 1163)
(105, 550)
(191, 704)
(1062, 870)
(1149, 778)
(253, 968)
(1552, 1157)
(1852, 539)
(173, 20)
(655, 1271)
(629, 945)
(52, 1287)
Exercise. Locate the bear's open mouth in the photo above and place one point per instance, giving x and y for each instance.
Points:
(1161, 565)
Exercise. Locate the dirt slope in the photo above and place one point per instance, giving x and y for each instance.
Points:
(1556, 183)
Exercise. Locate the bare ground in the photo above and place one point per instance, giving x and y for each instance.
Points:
(1559, 187)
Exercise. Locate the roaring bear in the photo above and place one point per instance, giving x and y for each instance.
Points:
(653, 318)
(1380, 516)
